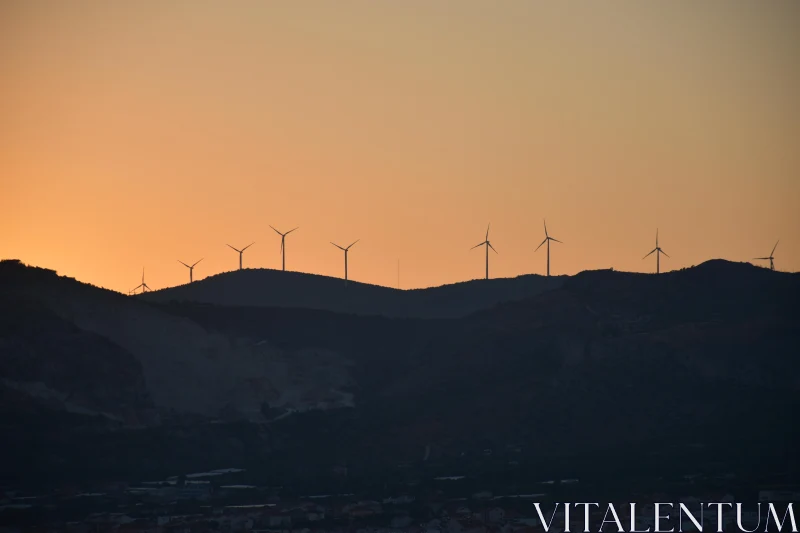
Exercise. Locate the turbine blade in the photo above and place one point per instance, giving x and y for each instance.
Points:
(556, 240)
(487, 231)
(184, 264)
(336, 245)
(353, 243)
(648, 255)
(232, 248)
(663, 252)
(198, 262)
(492, 247)
(762, 258)
(656, 237)
(544, 241)
(773, 249)
(479, 244)
(276, 231)
(291, 230)
(545, 228)
(248, 246)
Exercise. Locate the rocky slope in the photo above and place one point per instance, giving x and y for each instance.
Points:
(609, 362)
(94, 350)
(605, 364)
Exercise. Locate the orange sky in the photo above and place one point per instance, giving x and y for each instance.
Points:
(139, 133)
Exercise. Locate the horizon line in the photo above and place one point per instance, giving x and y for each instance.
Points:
(477, 279)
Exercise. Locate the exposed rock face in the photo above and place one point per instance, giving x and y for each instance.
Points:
(86, 348)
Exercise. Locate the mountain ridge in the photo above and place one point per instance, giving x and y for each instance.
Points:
(653, 361)
(275, 288)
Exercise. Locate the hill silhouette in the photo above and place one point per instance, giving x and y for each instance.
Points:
(275, 288)
(646, 361)
(691, 369)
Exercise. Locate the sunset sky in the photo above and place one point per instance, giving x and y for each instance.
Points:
(134, 134)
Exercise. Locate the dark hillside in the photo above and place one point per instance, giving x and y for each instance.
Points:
(273, 288)
(608, 372)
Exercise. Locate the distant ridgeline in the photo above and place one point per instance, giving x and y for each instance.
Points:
(273, 288)
(14, 271)
(12, 267)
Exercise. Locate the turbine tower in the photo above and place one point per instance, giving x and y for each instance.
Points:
(771, 258)
(241, 252)
(142, 285)
(658, 251)
(283, 245)
(345, 250)
(547, 239)
(488, 245)
(190, 267)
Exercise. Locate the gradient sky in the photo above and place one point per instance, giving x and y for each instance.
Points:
(138, 133)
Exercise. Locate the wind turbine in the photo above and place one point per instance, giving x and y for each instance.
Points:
(771, 258)
(241, 252)
(658, 251)
(547, 239)
(190, 267)
(488, 245)
(283, 245)
(345, 257)
(142, 285)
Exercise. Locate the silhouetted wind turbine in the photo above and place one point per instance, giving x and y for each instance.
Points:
(547, 239)
(241, 252)
(283, 244)
(771, 258)
(345, 257)
(190, 267)
(142, 285)
(488, 245)
(658, 251)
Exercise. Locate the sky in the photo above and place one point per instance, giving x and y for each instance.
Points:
(136, 134)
